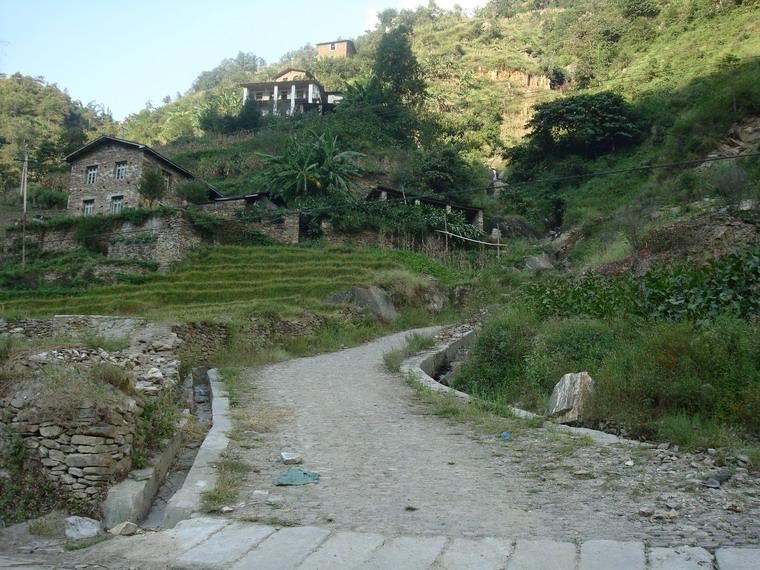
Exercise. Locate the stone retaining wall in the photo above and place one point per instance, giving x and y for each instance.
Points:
(80, 455)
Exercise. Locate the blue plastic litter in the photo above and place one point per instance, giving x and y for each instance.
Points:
(296, 477)
(506, 436)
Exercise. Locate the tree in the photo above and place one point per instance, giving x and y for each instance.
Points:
(229, 72)
(152, 186)
(396, 68)
(588, 125)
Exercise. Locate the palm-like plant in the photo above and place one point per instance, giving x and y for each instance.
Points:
(311, 167)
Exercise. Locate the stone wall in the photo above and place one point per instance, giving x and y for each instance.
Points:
(201, 341)
(79, 430)
(284, 229)
(161, 239)
(106, 185)
(81, 454)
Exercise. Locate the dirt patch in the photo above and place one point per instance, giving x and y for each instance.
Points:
(696, 240)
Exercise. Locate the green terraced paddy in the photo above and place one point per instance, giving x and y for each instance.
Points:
(233, 281)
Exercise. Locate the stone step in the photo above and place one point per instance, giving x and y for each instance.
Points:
(215, 543)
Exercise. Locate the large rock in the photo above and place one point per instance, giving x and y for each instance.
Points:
(570, 397)
(371, 298)
(78, 528)
(539, 263)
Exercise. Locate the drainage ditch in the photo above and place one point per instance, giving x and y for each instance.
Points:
(198, 399)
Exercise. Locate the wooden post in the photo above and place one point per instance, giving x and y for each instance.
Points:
(446, 229)
(24, 173)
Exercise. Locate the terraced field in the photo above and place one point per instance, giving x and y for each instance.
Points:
(235, 282)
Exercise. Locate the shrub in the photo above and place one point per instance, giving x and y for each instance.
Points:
(49, 199)
(496, 366)
(152, 185)
(157, 421)
(192, 191)
(670, 370)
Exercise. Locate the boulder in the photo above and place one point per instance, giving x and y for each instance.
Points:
(78, 528)
(372, 298)
(539, 262)
(126, 528)
(570, 397)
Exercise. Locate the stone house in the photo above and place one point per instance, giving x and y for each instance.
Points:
(293, 91)
(105, 175)
(338, 48)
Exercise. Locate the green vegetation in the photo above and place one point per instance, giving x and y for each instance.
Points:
(414, 343)
(157, 422)
(42, 120)
(152, 185)
(230, 473)
(728, 286)
(237, 282)
(691, 383)
(24, 493)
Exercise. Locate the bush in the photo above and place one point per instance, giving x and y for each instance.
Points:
(49, 199)
(496, 367)
(157, 422)
(706, 373)
(192, 191)
(152, 185)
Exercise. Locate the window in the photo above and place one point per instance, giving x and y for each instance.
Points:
(117, 204)
(120, 173)
(88, 207)
(167, 179)
(332, 47)
(92, 174)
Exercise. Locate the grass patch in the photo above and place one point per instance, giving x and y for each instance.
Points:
(157, 422)
(71, 545)
(230, 474)
(235, 281)
(231, 381)
(486, 416)
(415, 343)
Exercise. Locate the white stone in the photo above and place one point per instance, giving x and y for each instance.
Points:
(124, 529)
(738, 558)
(407, 552)
(77, 528)
(153, 374)
(596, 554)
(570, 397)
(680, 558)
(482, 554)
(289, 458)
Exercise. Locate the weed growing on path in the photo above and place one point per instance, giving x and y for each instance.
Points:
(230, 473)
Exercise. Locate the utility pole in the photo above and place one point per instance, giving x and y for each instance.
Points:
(24, 173)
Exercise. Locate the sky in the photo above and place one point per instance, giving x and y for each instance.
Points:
(123, 53)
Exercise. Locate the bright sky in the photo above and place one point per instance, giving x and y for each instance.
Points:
(122, 53)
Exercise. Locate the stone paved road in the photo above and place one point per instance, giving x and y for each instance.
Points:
(206, 542)
(388, 466)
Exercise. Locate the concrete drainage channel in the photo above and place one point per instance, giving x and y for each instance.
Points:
(426, 366)
(170, 489)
